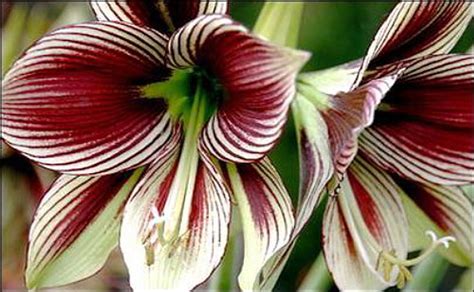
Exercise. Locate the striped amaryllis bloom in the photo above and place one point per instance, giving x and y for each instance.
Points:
(133, 110)
(409, 105)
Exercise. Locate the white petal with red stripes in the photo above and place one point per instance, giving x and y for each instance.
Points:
(73, 103)
(257, 80)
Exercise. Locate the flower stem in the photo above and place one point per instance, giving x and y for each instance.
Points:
(280, 22)
(318, 278)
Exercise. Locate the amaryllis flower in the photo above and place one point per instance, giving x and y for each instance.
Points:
(416, 148)
(136, 110)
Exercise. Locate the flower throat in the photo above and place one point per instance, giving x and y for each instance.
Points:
(180, 89)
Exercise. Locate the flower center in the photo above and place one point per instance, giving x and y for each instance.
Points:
(211, 85)
(179, 92)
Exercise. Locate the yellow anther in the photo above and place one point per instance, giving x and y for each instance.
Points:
(149, 254)
(404, 271)
(387, 270)
(401, 281)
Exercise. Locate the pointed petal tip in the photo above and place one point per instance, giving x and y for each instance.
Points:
(301, 57)
(296, 59)
(267, 218)
(416, 29)
(74, 230)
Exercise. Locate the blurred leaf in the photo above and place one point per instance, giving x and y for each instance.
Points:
(12, 35)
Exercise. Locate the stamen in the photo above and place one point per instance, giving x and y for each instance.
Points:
(155, 236)
(167, 229)
(388, 260)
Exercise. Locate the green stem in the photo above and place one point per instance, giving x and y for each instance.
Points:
(318, 277)
(280, 22)
(428, 274)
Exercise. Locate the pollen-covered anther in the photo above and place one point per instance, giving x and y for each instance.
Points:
(388, 260)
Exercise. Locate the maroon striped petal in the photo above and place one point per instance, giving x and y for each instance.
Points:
(165, 16)
(348, 114)
(72, 101)
(316, 168)
(415, 29)
(267, 218)
(346, 265)
(75, 228)
(316, 164)
(328, 127)
(258, 81)
(449, 213)
(421, 152)
(423, 130)
(366, 218)
(422, 91)
(183, 261)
